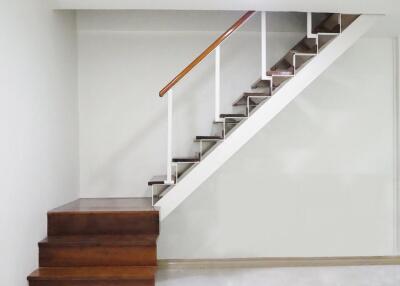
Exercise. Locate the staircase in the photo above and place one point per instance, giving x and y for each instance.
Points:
(324, 42)
(95, 242)
(113, 241)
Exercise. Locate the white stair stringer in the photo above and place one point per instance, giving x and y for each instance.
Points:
(262, 115)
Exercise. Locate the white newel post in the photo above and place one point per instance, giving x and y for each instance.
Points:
(169, 138)
(263, 45)
(217, 82)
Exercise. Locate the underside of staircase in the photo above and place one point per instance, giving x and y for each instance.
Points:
(92, 242)
(327, 38)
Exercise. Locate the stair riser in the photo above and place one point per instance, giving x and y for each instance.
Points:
(71, 256)
(107, 223)
(92, 283)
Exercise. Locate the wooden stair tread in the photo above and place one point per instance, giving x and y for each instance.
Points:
(159, 180)
(261, 83)
(232, 115)
(210, 138)
(94, 273)
(305, 47)
(243, 99)
(280, 73)
(186, 159)
(103, 205)
(228, 121)
(303, 53)
(307, 44)
(100, 240)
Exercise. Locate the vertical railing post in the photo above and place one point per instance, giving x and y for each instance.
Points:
(217, 82)
(309, 25)
(170, 179)
(263, 45)
(310, 34)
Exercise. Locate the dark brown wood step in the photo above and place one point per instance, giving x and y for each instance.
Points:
(261, 83)
(252, 97)
(93, 276)
(232, 115)
(329, 25)
(195, 159)
(104, 216)
(306, 45)
(100, 240)
(300, 57)
(208, 138)
(302, 53)
(231, 121)
(99, 250)
(282, 64)
(159, 180)
(348, 19)
(287, 73)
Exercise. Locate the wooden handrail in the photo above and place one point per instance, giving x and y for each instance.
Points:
(206, 52)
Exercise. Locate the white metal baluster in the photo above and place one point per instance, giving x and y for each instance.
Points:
(263, 45)
(169, 139)
(309, 25)
(217, 83)
(310, 34)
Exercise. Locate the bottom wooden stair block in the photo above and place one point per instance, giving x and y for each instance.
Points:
(98, 250)
(93, 276)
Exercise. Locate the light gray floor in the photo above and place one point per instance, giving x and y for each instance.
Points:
(310, 276)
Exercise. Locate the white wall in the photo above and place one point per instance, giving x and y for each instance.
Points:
(39, 124)
(317, 181)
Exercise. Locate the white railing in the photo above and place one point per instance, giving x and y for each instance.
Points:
(170, 179)
(217, 82)
(263, 45)
(217, 93)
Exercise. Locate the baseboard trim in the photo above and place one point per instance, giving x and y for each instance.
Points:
(279, 262)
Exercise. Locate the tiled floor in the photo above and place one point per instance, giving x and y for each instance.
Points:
(310, 276)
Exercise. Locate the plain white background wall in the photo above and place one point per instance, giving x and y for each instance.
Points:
(321, 172)
(39, 127)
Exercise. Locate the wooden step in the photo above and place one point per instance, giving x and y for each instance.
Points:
(280, 80)
(159, 180)
(261, 83)
(253, 97)
(348, 19)
(104, 216)
(208, 138)
(306, 45)
(301, 57)
(331, 24)
(189, 160)
(324, 39)
(98, 250)
(232, 115)
(229, 121)
(283, 64)
(93, 276)
(283, 73)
